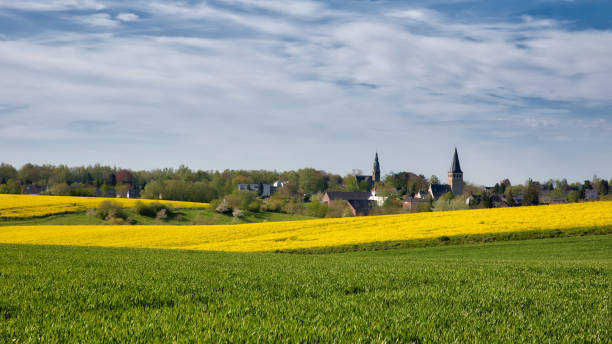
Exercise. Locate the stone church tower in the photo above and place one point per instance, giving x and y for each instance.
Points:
(455, 176)
(376, 170)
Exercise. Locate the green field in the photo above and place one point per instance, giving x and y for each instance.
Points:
(548, 290)
(206, 216)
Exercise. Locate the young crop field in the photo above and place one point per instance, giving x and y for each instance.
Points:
(533, 291)
(28, 206)
(300, 235)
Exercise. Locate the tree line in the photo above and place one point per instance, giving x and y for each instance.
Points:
(302, 192)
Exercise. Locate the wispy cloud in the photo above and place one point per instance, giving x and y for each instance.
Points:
(98, 19)
(127, 17)
(305, 77)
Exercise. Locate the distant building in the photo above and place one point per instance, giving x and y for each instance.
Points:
(455, 181)
(591, 195)
(455, 176)
(280, 183)
(437, 190)
(375, 177)
(262, 190)
(32, 189)
(133, 193)
(359, 202)
(380, 200)
(421, 194)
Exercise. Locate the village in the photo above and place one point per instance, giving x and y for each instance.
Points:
(306, 191)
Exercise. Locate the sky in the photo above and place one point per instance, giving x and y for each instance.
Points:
(523, 89)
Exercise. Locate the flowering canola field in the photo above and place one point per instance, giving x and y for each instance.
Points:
(319, 233)
(24, 206)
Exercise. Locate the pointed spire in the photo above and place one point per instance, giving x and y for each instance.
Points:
(376, 169)
(455, 167)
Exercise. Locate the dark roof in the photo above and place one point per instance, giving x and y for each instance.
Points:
(32, 189)
(360, 206)
(440, 189)
(455, 167)
(348, 196)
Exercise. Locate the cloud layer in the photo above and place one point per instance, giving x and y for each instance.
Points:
(288, 84)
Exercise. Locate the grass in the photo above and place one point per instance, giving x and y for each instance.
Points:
(205, 216)
(532, 291)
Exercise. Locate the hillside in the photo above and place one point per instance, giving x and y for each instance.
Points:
(507, 223)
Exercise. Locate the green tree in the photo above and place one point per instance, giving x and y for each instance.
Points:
(602, 187)
(532, 195)
(7, 172)
(61, 189)
(573, 196)
(434, 179)
(311, 181)
(12, 186)
(316, 208)
(350, 183)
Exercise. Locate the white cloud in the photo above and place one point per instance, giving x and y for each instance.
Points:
(305, 86)
(414, 14)
(127, 17)
(98, 19)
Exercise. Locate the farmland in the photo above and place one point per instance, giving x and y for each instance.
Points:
(28, 206)
(578, 218)
(551, 290)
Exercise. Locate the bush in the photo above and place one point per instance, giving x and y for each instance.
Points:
(237, 213)
(254, 206)
(316, 208)
(223, 208)
(108, 210)
(153, 209)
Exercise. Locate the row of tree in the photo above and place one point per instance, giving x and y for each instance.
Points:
(301, 194)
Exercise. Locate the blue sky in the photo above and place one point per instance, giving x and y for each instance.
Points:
(522, 88)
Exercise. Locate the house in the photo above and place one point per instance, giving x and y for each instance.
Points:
(133, 193)
(262, 190)
(421, 194)
(591, 195)
(498, 201)
(376, 198)
(249, 187)
(358, 202)
(280, 183)
(32, 189)
(437, 190)
(359, 207)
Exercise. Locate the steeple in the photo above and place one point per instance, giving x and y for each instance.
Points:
(376, 169)
(455, 175)
(455, 167)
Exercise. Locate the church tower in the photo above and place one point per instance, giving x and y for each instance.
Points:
(455, 176)
(376, 170)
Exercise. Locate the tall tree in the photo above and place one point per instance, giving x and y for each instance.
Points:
(532, 195)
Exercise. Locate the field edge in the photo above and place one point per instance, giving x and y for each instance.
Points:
(453, 240)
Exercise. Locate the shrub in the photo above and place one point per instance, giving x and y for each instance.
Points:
(223, 208)
(237, 213)
(154, 209)
(316, 208)
(108, 210)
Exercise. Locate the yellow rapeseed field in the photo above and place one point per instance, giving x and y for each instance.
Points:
(319, 233)
(24, 206)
